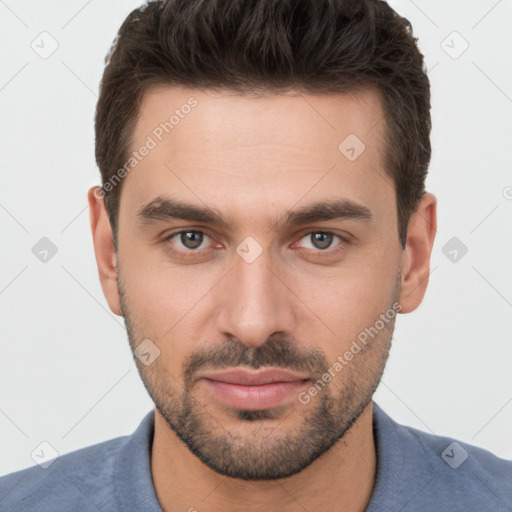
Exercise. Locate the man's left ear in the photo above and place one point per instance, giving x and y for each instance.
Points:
(421, 233)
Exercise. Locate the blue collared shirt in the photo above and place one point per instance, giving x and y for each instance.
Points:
(416, 471)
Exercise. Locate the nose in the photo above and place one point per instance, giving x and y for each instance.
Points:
(255, 301)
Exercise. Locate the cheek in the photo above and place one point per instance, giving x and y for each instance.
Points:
(162, 301)
(157, 287)
(343, 305)
(167, 305)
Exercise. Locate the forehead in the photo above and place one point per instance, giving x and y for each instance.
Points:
(253, 152)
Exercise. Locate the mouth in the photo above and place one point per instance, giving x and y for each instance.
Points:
(254, 390)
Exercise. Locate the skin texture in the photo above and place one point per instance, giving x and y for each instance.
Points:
(296, 306)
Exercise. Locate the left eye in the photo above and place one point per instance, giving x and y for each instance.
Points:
(189, 239)
(320, 239)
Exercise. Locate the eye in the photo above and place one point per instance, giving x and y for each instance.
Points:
(192, 242)
(188, 240)
(321, 240)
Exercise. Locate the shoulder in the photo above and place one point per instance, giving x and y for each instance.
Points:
(427, 470)
(80, 480)
(464, 474)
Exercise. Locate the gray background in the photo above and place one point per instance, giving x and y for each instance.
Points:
(66, 373)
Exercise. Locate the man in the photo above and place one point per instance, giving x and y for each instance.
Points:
(262, 220)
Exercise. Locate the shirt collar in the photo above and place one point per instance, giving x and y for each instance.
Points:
(390, 461)
(133, 483)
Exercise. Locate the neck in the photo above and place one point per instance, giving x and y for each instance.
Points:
(344, 475)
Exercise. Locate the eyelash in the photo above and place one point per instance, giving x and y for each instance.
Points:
(195, 253)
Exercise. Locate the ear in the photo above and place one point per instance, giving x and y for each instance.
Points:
(416, 255)
(104, 250)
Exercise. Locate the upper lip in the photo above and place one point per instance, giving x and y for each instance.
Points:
(254, 378)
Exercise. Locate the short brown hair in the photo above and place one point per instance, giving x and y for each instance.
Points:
(313, 46)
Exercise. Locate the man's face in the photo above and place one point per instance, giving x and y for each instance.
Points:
(258, 291)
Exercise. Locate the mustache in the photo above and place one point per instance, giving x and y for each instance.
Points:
(276, 352)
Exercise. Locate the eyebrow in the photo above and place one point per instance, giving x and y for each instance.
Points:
(167, 208)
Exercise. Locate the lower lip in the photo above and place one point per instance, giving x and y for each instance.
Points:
(252, 398)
